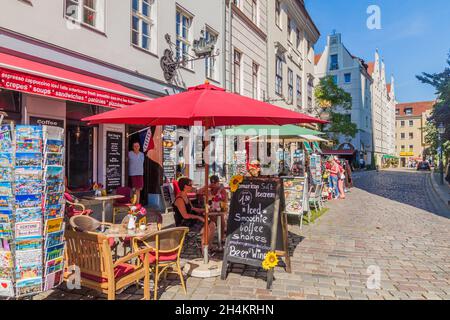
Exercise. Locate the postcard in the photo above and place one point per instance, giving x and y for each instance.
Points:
(54, 159)
(28, 214)
(53, 133)
(4, 245)
(54, 146)
(5, 203)
(5, 159)
(6, 288)
(52, 212)
(54, 252)
(28, 132)
(29, 201)
(29, 145)
(5, 230)
(30, 229)
(5, 138)
(53, 186)
(29, 159)
(29, 286)
(54, 225)
(54, 239)
(5, 189)
(5, 174)
(54, 173)
(53, 279)
(6, 261)
(5, 216)
(25, 174)
(28, 264)
(54, 265)
(29, 187)
(52, 199)
(29, 244)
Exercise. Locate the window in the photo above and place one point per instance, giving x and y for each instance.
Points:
(289, 29)
(408, 111)
(299, 91)
(403, 148)
(279, 76)
(255, 11)
(335, 79)
(411, 135)
(237, 72)
(87, 12)
(397, 112)
(290, 86)
(277, 13)
(142, 25)
(348, 77)
(255, 80)
(236, 2)
(310, 92)
(183, 43)
(411, 148)
(210, 62)
(411, 123)
(334, 62)
(298, 39)
(402, 135)
(402, 123)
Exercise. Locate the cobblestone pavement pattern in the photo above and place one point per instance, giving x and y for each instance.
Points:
(388, 223)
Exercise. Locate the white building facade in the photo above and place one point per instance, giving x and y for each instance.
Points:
(383, 114)
(292, 35)
(121, 42)
(350, 73)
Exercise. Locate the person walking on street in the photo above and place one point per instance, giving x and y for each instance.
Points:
(334, 171)
(341, 178)
(136, 169)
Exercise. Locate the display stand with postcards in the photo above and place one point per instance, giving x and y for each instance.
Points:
(31, 209)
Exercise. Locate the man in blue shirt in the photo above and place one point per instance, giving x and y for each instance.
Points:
(136, 169)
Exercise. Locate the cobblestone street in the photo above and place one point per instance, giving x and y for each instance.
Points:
(388, 221)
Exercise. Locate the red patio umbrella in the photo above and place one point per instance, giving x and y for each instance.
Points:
(210, 105)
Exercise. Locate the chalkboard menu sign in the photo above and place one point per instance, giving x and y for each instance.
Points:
(169, 151)
(295, 191)
(113, 160)
(253, 222)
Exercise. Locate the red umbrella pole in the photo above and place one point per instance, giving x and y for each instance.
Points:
(206, 227)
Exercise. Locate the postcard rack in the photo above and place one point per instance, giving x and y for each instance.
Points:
(31, 209)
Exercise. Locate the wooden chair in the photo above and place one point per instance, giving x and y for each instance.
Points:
(92, 254)
(75, 208)
(123, 205)
(165, 251)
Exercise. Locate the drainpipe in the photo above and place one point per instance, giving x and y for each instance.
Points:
(224, 41)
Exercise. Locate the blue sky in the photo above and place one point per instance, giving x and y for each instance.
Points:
(414, 37)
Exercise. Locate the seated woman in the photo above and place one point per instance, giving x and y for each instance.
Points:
(217, 194)
(186, 215)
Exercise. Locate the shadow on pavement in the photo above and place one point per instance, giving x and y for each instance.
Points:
(409, 187)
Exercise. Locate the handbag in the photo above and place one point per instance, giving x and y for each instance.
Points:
(342, 176)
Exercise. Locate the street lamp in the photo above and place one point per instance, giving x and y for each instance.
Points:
(441, 131)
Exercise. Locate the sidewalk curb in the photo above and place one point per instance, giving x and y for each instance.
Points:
(435, 188)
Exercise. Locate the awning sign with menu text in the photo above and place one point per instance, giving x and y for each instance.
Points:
(19, 81)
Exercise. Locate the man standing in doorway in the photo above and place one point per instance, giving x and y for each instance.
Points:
(136, 169)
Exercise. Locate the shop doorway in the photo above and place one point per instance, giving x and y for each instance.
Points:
(80, 157)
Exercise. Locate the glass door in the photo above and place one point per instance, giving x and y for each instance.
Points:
(80, 157)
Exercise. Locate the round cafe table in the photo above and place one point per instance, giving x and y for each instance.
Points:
(121, 231)
(104, 200)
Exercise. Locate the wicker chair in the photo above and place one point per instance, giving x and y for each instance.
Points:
(165, 250)
(92, 254)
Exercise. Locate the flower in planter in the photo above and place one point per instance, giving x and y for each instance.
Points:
(235, 181)
(270, 260)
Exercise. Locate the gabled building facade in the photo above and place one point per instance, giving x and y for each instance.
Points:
(351, 74)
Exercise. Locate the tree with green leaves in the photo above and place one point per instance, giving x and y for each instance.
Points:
(441, 110)
(332, 104)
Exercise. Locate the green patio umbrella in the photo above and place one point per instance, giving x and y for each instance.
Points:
(268, 130)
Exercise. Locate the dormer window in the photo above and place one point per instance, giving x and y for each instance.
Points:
(408, 111)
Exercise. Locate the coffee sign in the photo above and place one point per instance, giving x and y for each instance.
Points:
(47, 122)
